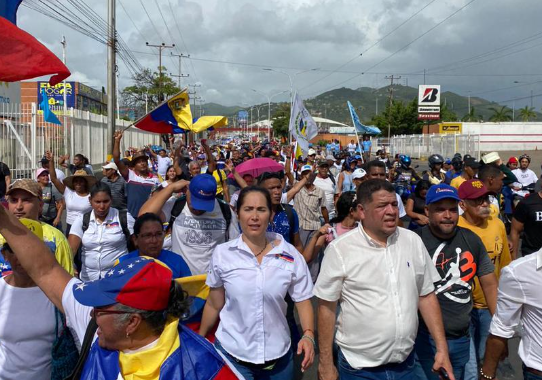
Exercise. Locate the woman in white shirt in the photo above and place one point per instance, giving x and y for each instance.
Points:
(249, 278)
(104, 240)
(75, 189)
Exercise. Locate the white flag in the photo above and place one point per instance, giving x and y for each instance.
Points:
(302, 126)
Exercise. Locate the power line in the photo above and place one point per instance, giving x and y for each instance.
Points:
(150, 19)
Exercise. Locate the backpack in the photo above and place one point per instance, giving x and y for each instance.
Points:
(289, 210)
(179, 204)
(123, 223)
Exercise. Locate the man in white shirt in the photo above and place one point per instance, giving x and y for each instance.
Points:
(352, 147)
(524, 175)
(327, 184)
(382, 276)
(519, 303)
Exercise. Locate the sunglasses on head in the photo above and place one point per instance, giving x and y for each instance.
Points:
(269, 175)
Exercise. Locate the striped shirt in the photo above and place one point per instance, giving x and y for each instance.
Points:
(308, 204)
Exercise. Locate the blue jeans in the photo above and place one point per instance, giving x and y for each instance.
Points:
(283, 369)
(425, 351)
(529, 375)
(480, 320)
(396, 371)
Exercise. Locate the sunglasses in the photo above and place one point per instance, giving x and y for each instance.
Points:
(481, 200)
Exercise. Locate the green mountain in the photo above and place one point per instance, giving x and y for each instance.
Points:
(369, 101)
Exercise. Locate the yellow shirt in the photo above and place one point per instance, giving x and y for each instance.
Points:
(493, 235)
(57, 243)
(457, 181)
(219, 188)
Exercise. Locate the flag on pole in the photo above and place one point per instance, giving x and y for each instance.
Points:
(23, 56)
(204, 123)
(302, 126)
(355, 119)
(172, 116)
(48, 115)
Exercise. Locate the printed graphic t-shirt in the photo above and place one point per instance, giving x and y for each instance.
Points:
(457, 260)
(529, 212)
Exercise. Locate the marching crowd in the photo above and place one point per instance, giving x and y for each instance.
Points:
(214, 262)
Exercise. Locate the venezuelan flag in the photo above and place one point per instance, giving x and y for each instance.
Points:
(208, 123)
(172, 116)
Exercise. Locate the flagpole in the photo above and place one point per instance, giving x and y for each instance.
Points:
(355, 130)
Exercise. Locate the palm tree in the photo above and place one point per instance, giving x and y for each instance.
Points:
(470, 116)
(500, 114)
(527, 113)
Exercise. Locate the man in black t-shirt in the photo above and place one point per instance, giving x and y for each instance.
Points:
(527, 218)
(5, 179)
(458, 255)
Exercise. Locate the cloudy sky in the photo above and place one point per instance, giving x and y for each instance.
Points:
(480, 47)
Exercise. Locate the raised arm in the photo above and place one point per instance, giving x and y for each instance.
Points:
(296, 188)
(123, 170)
(52, 173)
(35, 257)
(211, 162)
(155, 203)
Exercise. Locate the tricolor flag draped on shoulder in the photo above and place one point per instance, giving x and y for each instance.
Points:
(302, 126)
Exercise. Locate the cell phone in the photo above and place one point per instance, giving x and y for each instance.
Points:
(443, 374)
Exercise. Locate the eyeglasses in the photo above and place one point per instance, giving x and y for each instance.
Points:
(97, 312)
(481, 200)
(157, 236)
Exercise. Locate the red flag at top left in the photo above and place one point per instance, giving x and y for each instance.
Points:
(24, 57)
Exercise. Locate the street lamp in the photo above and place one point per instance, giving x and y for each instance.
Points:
(269, 97)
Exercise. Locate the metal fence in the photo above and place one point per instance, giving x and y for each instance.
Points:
(422, 146)
(25, 136)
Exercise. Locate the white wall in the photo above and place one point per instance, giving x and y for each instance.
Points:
(506, 136)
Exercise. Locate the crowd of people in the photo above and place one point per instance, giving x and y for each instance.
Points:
(410, 275)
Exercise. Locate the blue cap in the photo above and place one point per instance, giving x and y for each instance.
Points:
(447, 161)
(439, 192)
(202, 192)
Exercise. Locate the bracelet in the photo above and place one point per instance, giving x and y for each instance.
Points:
(486, 376)
(304, 331)
(310, 338)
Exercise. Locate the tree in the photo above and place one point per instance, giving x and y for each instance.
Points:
(149, 89)
(500, 114)
(471, 116)
(527, 113)
(281, 120)
(403, 118)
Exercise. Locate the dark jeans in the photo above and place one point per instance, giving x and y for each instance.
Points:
(529, 375)
(395, 371)
(458, 349)
(282, 370)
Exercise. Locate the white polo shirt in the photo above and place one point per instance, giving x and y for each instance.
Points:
(519, 302)
(379, 289)
(253, 326)
(101, 244)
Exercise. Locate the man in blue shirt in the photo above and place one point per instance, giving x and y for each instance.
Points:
(366, 144)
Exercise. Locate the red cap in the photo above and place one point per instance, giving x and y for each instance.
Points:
(472, 189)
(512, 160)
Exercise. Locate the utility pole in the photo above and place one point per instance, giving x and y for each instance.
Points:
(111, 80)
(181, 75)
(391, 78)
(65, 118)
(160, 48)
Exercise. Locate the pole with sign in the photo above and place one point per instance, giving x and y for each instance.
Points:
(428, 102)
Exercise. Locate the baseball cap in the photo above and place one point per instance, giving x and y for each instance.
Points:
(304, 168)
(203, 192)
(358, 173)
(110, 165)
(311, 152)
(513, 160)
(471, 162)
(491, 157)
(472, 189)
(28, 185)
(40, 171)
(439, 192)
(323, 163)
(139, 282)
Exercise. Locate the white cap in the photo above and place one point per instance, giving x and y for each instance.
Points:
(305, 168)
(110, 165)
(311, 152)
(358, 173)
(491, 157)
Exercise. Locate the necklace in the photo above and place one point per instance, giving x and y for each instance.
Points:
(263, 249)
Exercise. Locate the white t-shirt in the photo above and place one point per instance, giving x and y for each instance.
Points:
(76, 205)
(27, 333)
(352, 147)
(194, 237)
(163, 164)
(526, 177)
(400, 206)
(101, 244)
(329, 189)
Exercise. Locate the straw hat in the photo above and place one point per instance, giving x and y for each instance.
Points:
(91, 180)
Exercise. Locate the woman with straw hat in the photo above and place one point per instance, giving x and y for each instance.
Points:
(76, 190)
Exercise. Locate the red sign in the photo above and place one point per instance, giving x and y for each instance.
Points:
(429, 116)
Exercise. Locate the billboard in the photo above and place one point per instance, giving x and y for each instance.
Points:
(429, 95)
(55, 94)
(242, 118)
(450, 128)
(10, 92)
